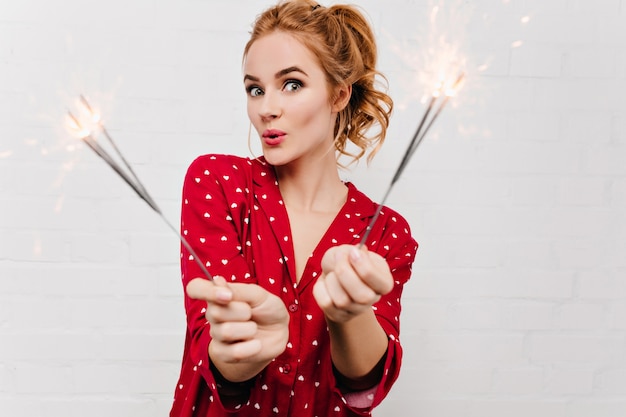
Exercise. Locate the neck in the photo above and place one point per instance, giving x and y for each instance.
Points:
(313, 186)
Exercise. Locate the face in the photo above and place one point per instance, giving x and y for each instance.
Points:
(288, 100)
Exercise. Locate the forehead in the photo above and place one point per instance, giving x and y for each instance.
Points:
(279, 50)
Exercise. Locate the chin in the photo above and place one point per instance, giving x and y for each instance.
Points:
(275, 158)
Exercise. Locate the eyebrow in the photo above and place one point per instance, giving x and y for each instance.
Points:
(279, 74)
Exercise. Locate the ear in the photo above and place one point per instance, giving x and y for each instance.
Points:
(341, 97)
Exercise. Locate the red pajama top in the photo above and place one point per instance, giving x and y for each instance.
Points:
(234, 218)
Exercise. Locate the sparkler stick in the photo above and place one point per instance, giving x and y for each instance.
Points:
(130, 177)
(447, 97)
(413, 144)
(130, 169)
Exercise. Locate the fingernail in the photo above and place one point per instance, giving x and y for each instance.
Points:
(355, 254)
(223, 295)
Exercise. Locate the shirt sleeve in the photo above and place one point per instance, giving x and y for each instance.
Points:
(398, 247)
(213, 218)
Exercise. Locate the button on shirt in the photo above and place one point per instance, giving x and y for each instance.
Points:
(234, 217)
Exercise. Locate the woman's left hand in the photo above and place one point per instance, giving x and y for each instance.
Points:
(352, 280)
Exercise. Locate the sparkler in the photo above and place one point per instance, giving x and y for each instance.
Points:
(414, 143)
(125, 171)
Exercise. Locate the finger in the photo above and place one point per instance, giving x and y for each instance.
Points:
(231, 332)
(219, 290)
(233, 311)
(329, 258)
(355, 288)
(236, 352)
(371, 270)
(325, 302)
(214, 291)
(248, 293)
(320, 293)
(338, 295)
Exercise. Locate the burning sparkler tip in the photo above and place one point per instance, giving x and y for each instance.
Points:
(89, 110)
(76, 126)
(458, 83)
(73, 120)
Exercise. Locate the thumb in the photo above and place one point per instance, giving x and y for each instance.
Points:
(215, 291)
(252, 294)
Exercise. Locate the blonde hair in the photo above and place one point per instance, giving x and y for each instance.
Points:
(343, 41)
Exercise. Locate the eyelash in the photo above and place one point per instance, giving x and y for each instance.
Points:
(252, 88)
(296, 82)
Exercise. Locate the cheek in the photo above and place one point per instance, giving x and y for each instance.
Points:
(313, 110)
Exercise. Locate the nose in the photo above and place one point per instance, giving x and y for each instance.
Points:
(270, 106)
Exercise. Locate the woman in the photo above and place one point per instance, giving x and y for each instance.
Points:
(299, 320)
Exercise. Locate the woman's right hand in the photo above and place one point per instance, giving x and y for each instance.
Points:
(249, 325)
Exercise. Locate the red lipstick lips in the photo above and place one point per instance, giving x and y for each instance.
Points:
(273, 136)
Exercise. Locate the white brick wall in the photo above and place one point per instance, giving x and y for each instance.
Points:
(517, 197)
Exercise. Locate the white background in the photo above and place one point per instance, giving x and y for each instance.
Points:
(517, 306)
